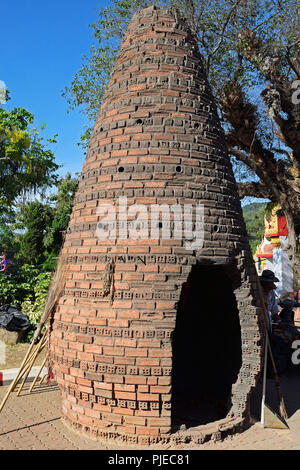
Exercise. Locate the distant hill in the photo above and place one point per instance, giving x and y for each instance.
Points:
(254, 217)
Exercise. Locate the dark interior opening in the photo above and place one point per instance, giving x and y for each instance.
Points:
(207, 354)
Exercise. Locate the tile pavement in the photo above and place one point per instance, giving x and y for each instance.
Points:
(33, 421)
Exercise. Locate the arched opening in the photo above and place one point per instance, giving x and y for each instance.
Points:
(207, 353)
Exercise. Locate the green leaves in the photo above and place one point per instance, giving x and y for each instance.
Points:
(27, 291)
(35, 219)
(87, 88)
(254, 217)
(25, 164)
(217, 26)
(33, 237)
(34, 303)
(63, 206)
(14, 289)
(41, 225)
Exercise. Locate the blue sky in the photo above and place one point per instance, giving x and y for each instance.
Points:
(41, 48)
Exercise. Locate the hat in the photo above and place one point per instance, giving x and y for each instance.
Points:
(268, 276)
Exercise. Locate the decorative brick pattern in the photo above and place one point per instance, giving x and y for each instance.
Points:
(157, 140)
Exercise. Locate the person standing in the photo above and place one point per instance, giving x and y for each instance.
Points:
(267, 280)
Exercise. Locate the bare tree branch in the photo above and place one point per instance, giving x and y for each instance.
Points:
(282, 151)
(265, 177)
(254, 190)
(232, 9)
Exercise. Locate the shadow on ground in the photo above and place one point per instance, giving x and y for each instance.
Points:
(290, 386)
(44, 388)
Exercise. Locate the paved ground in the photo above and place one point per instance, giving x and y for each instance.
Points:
(33, 422)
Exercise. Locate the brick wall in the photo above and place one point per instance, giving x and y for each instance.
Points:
(157, 140)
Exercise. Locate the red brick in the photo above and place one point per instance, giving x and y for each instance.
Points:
(113, 351)
(170, 269)
(84, 339)
(84, 389)
(136, 420)
(147, 431)
(85, 382)
(114, 132)
(147, 396)
(103, 341)
(125, 395)
(99, 407)
(85, 356)
(155, 277)
(160, 389)
(76, 346)
(146, 413)
(92, 348)
(76, 372)
(126, 342)
(136, 352)
(134, 130)
(124, 387)
(85, 420)
(166, 421)
(160, 353)
(135, 380)
(93, 413)
(143, 136)
(143, 388)
(133, 276)
(112, 418)
(123, 411)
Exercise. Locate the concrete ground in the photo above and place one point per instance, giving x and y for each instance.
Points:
(32, 421)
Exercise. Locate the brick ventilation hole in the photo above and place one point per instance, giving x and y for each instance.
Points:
(179, 345)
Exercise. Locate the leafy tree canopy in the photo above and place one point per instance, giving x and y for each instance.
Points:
(63, 201)
(26, 164)
(254, 217)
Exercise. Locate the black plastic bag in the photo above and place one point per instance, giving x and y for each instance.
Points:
(13, 320)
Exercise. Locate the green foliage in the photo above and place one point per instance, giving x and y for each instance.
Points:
(14, 288)
(25, 163)
(27, 290)
(34, 303)
(35, 218)
(33, 236)
(63, 206)
(30, 232)
(88, 85)
(254, 217)
(85, 139)
(33, 232)
(8, 240)
(217, 25)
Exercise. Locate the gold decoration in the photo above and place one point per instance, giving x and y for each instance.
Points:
(275, 242)
(271, 226)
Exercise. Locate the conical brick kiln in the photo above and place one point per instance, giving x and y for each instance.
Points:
(157, 327)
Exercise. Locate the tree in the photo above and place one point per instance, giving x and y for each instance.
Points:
(254, 215)
(33, 236)
(250, 49)
(63, 207)
(25, 164)
(35, 218)
(33, 232)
